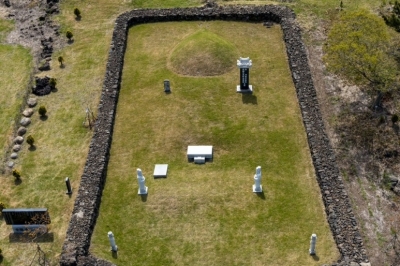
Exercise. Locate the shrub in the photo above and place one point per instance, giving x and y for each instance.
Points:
(42, 110)
(2, 206)
(77, 12)
(60, 60)
(16, 174)
(1, 254)
(53, 82)
(30, 140)
(395, 118)
(69, 35)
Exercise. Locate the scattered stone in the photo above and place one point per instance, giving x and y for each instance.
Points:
(25, 121)
(21, 131)
(44, 65)
(27, 112)
(42, 86)
(10, 164)
(7, 3)
(18, 140)
(14, 155)
(16, 147)
(32, 102)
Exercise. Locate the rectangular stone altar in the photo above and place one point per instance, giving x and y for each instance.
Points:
(160, 170)
(199, 154)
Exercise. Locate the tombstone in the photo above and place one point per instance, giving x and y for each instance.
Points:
(167, 87)
(114, 247)
(312, 244)
(257, 187)
(160, 170)
(199, 154)
(23, 220)
(244, 64)
(69, 189)
(142, 188)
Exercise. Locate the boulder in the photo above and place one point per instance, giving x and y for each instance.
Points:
(14, 155)
(16, 147)
(21, 131)
(18, 140)
(32, 102)
(27, 112)
(25, 121)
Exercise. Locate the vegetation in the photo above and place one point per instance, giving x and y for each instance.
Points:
(393, 18)
(30, 140)
(357, 50)
(53, 82)
(210, 209)
(16, 174)
(77, 13)
(61, 60)
(42, 110)
(69, 35)
(2, 206)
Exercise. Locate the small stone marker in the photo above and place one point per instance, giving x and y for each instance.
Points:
(142, 188)
(244, 64)
(160, 170)
(312, 244)
(69, 189)
(114, 247)
(167, 87)
(257, 187)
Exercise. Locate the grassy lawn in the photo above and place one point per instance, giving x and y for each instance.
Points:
(208, 214)
(62, 142)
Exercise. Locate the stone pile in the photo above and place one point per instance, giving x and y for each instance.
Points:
(338, 209)
(42, 86)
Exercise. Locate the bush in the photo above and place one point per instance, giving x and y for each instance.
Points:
(1, 254)
(16, 174)
(69, 35)
(42, 110)
(60, 60)
(30, 140)
(53, 82)
(2, 206)
(395, 118)
(77, 12)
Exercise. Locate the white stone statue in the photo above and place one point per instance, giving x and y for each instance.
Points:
(312, 244)
(114, 247)
(142, 188)
(257, 187)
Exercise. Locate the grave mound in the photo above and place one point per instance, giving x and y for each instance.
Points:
(203, 54)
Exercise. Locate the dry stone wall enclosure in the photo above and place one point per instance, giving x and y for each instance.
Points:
(337, 206)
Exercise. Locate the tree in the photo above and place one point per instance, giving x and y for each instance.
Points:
(357, 49)
(42, 110)
(392, 19)
(69, 35)
(77, 13)
(53, 82)
(30, 140)
(16, 174)
(61, 60)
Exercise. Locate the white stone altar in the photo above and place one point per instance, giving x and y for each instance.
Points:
(199, 154)
(160, 170)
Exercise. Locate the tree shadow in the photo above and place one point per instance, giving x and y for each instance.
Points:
(315, 257)
(32, 148)
(249, 99)
(43, 117)
(78, 18)
(114, 254)
(54, 89)
(396, 129)
(261, 195)
(18, 181)
(70, 41)
(26, 238)
(62, 66)
(1, 259)
(143, 197)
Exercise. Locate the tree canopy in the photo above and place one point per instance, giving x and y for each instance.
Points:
(357, 49)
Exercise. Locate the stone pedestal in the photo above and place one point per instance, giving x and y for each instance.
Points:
(142, 188)
(244, 64)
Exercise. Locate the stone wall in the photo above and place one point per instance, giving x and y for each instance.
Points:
(337, 206)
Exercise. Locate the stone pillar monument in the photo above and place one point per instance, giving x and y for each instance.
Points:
(257, 187)
(244, 64)
(114, 247)
(167, 87)
(142, 188)
(312, 244)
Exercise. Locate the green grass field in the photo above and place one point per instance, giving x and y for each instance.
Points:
(208, 214)
(61, 141)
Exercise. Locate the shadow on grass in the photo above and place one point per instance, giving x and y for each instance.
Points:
(315, 257)
(261, 195)
(62, 66)
(25, 238)
(143, 197)
(54, 90)
(78, 18)
(249, 99)
(114, 254)
(44, 117)
(71, 41)
(1, 259)
(396, 129)
(32, 148)
(18, 181)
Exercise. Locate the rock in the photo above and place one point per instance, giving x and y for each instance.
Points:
(44, 65)
(32, 102)
(10, 164)
(42, 86)
(21, 131)
(18, 140)
(365, 264)
(7, 3)
(25, 121)
(27, 112)
(14, 155)
(16, 147)
(396, 190)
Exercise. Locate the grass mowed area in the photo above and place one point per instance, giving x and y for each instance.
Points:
(208, 214)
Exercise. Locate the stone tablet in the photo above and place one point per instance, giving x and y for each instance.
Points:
(199, 151)
(160, 170)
